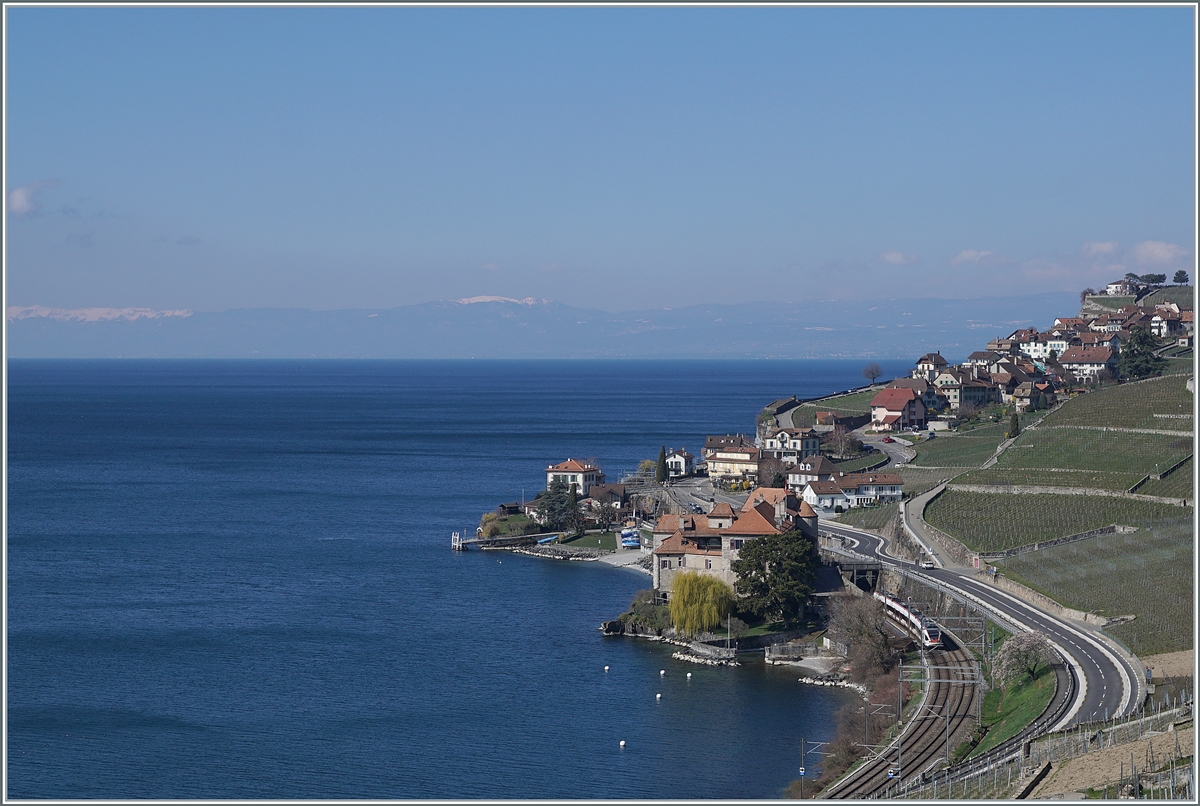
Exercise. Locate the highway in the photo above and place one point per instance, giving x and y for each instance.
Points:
(1109, 685)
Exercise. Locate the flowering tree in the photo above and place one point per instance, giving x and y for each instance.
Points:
(1022, 654)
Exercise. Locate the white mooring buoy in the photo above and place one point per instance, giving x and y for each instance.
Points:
(622, 743)
(689, 675)
(606, 668)
(661, 672)
(658, 696)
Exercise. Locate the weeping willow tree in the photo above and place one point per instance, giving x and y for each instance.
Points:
(699, 602)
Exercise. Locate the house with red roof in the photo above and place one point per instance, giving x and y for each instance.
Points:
(709, 544)
(574, 472)
(897, 409)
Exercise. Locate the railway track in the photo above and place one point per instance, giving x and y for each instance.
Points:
(923, 742)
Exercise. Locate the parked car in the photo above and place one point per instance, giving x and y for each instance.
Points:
(887, 439)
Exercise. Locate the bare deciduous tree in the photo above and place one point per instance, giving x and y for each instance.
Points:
(872, 371)
(967, 410)
(768, 468)
(860, 623)
(843, 442)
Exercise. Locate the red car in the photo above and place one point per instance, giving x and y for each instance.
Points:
(887, 439)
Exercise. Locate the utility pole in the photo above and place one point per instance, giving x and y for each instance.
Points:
(802, 753)
(899, 714)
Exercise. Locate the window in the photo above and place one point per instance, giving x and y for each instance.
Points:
(708, 564)
(736, 543)
(682, 562)
(664, 564)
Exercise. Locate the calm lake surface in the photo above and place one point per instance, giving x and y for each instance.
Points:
(233, 580)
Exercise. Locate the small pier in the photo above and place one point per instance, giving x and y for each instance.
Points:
(460, 543)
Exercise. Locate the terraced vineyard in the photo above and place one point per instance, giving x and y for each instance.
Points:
(1131, 405)
(1093, 449)
(1184, 295)
(869, 517)
(1147, 574)
(1089, 479)
(1110, 303)
(854, 465)
(998, 521)
(1180, 366)
(918, 480)
(1176, 485)
(958, 450)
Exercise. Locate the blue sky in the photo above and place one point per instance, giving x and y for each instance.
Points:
(618, 158)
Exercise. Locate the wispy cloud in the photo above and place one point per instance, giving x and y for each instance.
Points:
(23, 200)
(1157, 253)
(897, 258)
(1097, 248)
(188, 240)
(970, 256)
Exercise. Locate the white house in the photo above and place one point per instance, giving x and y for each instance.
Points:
(792, 444)
(734, 462)
(849, 490)
(825, 496)
(574, 472)
(680, 463)
(929, 365)
(1085, 363)
(811, 468)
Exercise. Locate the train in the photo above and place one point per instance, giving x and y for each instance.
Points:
(920, 625)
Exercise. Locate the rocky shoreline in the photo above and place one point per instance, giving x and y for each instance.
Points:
(563, 553)
(631, 559)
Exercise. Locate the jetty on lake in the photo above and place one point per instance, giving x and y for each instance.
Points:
(460, 543)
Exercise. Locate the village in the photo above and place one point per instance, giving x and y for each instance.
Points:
(746, 544)
(696, 512)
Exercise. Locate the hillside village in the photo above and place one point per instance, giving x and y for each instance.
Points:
(1054, 464)
(827, 458)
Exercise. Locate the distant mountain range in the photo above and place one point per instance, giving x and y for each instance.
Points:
(499, 327)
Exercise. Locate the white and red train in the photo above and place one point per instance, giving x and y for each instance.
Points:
(924, 628)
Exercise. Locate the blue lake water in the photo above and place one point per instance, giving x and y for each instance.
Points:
(233, 580)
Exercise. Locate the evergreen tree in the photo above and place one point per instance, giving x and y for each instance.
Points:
(775, 575)
(660, 470)
(559, 505)
(1014, 425)
(1137, 356)
(574, 518)
(1180, 278)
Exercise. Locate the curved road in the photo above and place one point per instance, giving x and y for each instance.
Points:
(1109, 683)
